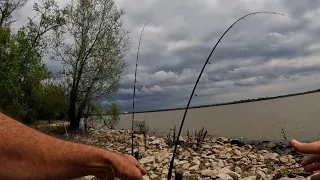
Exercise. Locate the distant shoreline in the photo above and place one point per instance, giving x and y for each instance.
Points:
(231, 103)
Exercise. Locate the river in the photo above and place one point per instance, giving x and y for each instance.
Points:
(299, 116)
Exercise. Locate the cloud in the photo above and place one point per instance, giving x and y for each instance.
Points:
(262, 55)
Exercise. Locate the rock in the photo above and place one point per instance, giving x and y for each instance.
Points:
(186, 166)
(207, 164)
(285, 178)
(220, 163)
(254, 161)
(251, 156)
(88, 178)
(206, 146)
(218, 147)
(214, 164)
(209, 173)
(194, 168)
(146, 178)
(161, 156)
(237, 152)
(153, 176)
(185, 154)
(226, 170)
(271, 156)
(196, 162)
(211, 157)
(224, 177)
(149, 159)
(155, 142)
(284, 159)
(238, 170)
(250, 178)
(223, 139)
(261, 174)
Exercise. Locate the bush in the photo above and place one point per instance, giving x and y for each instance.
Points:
(171, 139)
(113, 116)
(197, 138)
(141, 127)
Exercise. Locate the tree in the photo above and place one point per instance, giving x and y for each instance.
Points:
(113, 116)
(21, 68)
(7, 7)
(92, 49)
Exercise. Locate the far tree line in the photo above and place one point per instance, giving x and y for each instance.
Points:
(86, 38)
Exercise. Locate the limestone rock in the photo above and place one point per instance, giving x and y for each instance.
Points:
(224, 177)
(149, 159)
(209, 173)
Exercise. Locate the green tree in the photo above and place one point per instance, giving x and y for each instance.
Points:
(92, 49)
(21, 68)
(52, 103)
(113, 116)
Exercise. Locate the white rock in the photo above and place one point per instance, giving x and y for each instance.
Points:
(161, 156)
(196, 162)
(88, 177)
(238, 170)
(249, 178)
(284, 159)
(262, 174)
(185, 154)
(218, 147)
(211, 157)
(271, 156)
(194, 168)
(220, 163)
(226, 170)
(186, 166)
(285, 178)
(224, 177)
(146, 178)
(209, 173)
(149, 159)
(153, 176)
(155, 142)
(237, 152)
(214, 164)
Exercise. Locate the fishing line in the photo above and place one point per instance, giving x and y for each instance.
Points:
(134, 91)
(195, 86)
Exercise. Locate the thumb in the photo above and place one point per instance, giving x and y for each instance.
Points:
(306, 148)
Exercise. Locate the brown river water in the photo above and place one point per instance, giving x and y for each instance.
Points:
(299, 116)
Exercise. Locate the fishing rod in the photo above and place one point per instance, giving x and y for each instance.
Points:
(134, 91)
(195, 86)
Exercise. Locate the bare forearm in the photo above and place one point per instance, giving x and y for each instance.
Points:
(29, 154)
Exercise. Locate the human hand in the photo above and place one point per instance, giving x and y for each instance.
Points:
(311, 163)
(126, 167)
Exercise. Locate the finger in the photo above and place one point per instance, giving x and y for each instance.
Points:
(137, 164)
(306, 148)
(310, 160)
(132, 174)
(315, 177)
(142, 169)
(312, 167)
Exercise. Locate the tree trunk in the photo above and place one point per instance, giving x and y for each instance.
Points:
(71, 113)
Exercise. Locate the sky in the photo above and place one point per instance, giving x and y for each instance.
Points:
(262, 55)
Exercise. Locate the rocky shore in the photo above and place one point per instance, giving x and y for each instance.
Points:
(217, 158)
